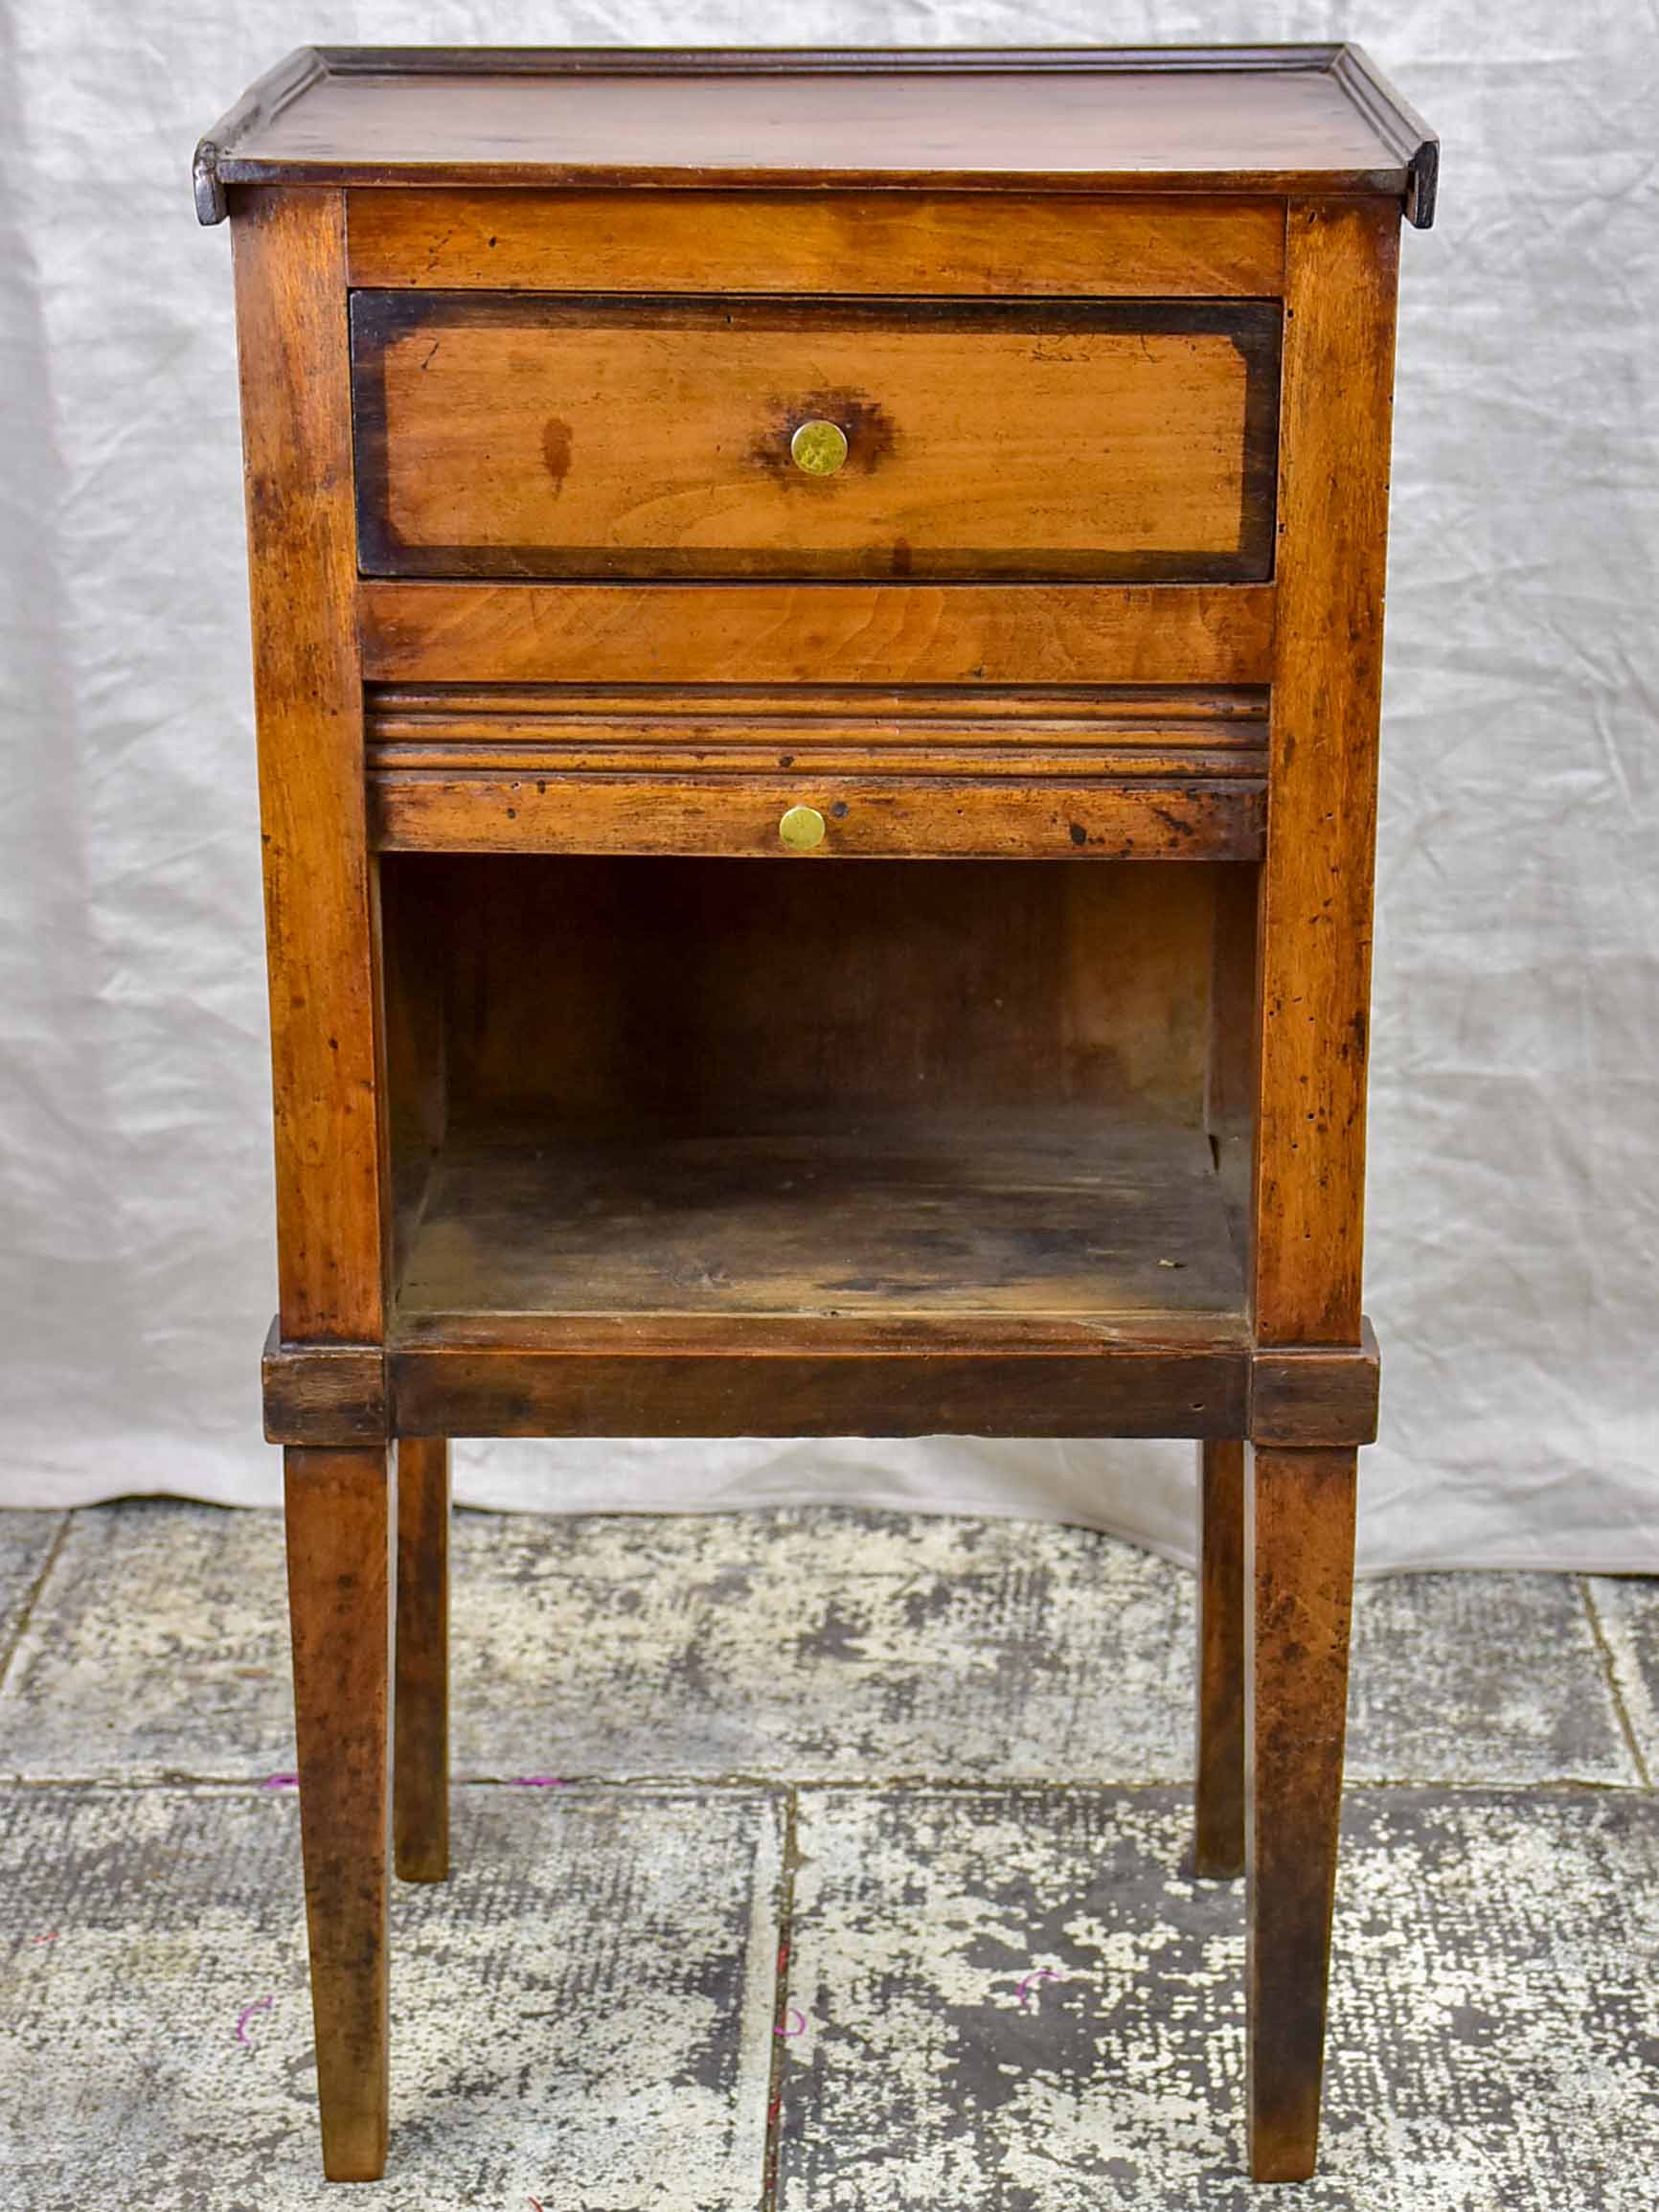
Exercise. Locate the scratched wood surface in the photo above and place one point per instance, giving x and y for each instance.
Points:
(1247, 120)
(544, 435)
(1034, 1215)
(542, 805)
(341, 1514)
(823, 243)
(1299, 1579)
(320, 890)
(1317, 883)
(806, 633)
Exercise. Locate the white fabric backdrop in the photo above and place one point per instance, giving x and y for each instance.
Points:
(1515, 1153)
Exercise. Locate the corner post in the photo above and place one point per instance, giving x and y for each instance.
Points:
(1312, 1020)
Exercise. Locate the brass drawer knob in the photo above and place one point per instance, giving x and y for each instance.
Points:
(800, 829)
(819, 447)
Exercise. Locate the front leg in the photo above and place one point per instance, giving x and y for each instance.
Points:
(1299, 1517)
(341, 1508)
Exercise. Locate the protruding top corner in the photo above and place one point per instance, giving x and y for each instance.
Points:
(258, 104)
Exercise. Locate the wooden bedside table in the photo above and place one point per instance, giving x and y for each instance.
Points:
(673, 478)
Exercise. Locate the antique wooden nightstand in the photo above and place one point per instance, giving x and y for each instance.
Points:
(817, 621)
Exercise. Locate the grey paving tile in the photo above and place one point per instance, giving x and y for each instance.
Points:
(26, 1540)
(1480, 1678)
(1627, 1610)
(582, 2015)
(820, 1642)
(1494, 2040)
(158, 1646)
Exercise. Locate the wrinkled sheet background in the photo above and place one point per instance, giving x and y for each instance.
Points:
(1516, 1153)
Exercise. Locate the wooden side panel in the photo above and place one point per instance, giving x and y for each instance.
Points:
(319, 886)
(340, 1515)
(824, 242)
(1316, 895)
(803, 633)
(604, 994)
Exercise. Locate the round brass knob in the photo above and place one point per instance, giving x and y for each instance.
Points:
(819, 447)
(800, 829)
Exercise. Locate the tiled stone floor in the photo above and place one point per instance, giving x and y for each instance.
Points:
(939, 1764)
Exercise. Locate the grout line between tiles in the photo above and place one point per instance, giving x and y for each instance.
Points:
(935, 1784)
(26, 1612)
(1612, 1672)
(779, 2005)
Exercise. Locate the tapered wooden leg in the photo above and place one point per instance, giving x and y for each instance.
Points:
(1299, 1519)
(1220, 1848)
(341, 1515)
(421, 1765)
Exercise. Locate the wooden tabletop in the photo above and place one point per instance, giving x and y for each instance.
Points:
(1181, 119)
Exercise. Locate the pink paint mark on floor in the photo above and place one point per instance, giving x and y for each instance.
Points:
(1042, 1973)
(258, 2005)
(538, 1782)
(281, 1782)
(788, 2033)
(51, 1938)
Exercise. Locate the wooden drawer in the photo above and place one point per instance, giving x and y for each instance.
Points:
(627, 437)
(820, 774)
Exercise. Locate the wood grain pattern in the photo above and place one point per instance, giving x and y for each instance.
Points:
(1230, 1077)
(823, 243)
(421, 1762)
(1245, 118)
(860, 715)
(1058, 1274)
(1316, 891)
(339, 1544)
(541, 436)
(1218, 1850)
(326, 1394)
(1136, 1389)
(603, 995)
(544, 808)
(770, 633)
(320, 923)
(1072, 1211)
(415, 1086)
(1299, 1517)
(1316, 1394)
(582, 1130)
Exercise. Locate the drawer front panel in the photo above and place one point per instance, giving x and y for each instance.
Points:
(531, 436)
(846, 817)
(818, 774)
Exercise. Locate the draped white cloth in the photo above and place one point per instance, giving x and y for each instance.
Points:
(1515, 1242)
